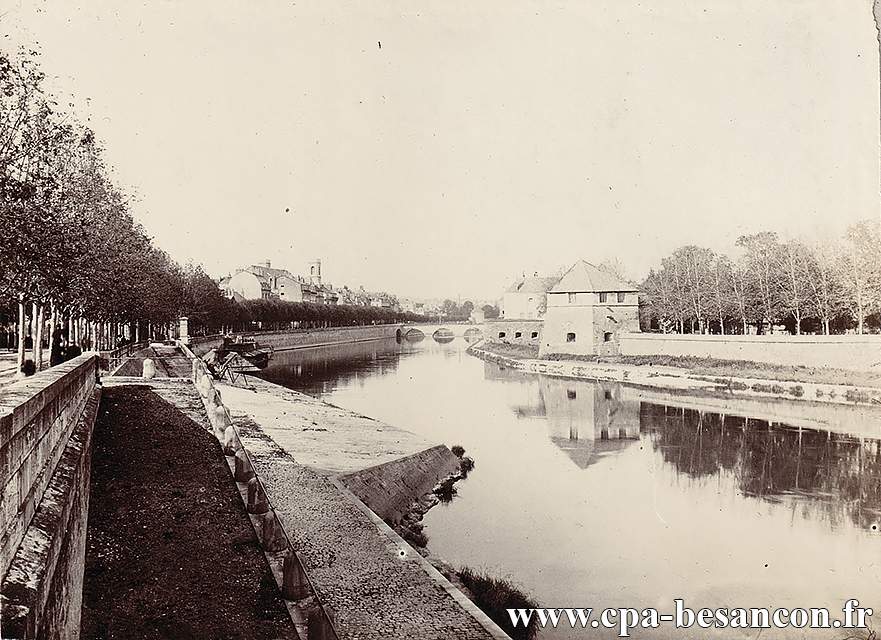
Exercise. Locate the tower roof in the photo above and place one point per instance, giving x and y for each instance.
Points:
(586, 277)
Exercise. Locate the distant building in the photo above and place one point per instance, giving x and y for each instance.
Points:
(263, 281)
(526, 299)
(587, 311)
(246, 285)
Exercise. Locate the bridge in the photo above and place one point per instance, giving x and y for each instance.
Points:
(457, 329)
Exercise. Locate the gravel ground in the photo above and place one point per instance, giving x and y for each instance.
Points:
(171, 552)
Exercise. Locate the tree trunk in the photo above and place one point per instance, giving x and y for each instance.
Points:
(53, 319)
(38, 343)
(22, 326)
(860, 317)
(34, 331)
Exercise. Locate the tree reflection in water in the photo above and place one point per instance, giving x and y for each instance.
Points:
(320, 370)
(832, 475)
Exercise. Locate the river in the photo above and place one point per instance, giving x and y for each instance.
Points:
(601, 495)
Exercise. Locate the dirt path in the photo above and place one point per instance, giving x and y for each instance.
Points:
(171, 552)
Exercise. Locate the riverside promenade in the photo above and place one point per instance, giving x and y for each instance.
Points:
(375, 584)
(342, 571)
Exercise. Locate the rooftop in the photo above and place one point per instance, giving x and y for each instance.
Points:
(533, 284)
(585, 277)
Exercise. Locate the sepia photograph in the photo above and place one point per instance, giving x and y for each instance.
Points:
(440, 320)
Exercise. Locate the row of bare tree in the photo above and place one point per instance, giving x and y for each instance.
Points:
(825, 287)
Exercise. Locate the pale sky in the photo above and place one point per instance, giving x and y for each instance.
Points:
(481, 139)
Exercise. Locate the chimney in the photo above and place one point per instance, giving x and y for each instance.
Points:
(267, 264)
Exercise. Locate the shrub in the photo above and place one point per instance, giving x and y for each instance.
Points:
(445, 489)
(458, 450)
(414, 535)
(494, 596)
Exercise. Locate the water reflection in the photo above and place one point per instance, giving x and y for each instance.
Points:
(835, 475)
(599, 494)
(588, 423)
(320, 370)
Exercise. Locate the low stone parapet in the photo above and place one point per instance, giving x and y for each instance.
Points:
(46, 424)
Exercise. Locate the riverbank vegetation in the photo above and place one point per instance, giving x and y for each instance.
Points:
(494, 596)
(828, 286)
(718, 370)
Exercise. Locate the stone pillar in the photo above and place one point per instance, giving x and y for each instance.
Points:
(184, 330)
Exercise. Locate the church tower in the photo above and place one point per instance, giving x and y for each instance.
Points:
(315, 272)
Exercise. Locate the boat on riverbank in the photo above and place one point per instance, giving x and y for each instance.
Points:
(250, 350)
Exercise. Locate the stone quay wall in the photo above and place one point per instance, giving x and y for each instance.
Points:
(389, 489)
(46, 424)
(302, 338)
(841, 352)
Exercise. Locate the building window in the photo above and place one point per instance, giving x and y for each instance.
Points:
(571, 298)
(620, 297)
(603, 297)
(570, 337)
(535, 334)
(607, 336)
(607, 394)
(501, 334)
(518, 335)
(570, 393)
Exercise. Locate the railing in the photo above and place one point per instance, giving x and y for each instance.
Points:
(112, 360)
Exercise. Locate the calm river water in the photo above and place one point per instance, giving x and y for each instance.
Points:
(590, 495)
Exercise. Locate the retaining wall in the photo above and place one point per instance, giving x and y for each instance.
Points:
(389, 489)
(841, 352)
(46, 424)
(301, 338)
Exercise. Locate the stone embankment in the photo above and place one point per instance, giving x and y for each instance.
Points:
(830, 407)
(674, 378)
(342, 571)
(369, 581)
(302, 338)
